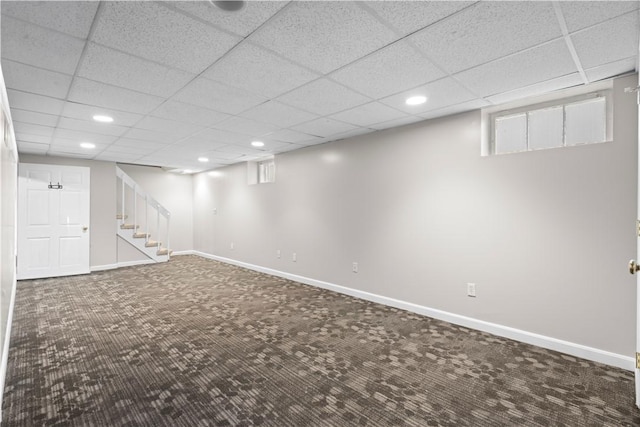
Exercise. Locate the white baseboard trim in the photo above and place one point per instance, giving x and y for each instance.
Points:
(121, 264)
(188, 252)
(5, 348)
(572, 349)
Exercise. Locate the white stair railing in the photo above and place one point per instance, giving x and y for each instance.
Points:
(130, 208)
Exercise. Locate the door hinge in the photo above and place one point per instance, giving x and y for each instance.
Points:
(637, 360)
(638, 227)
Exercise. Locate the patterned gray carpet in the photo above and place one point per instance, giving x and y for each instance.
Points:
(194, 342)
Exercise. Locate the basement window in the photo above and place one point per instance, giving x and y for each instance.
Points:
(579, 120)
(261, 171)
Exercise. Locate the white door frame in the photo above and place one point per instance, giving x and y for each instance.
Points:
(53, 220)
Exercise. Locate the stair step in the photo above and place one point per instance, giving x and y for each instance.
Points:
(164, 251)
(141, 235)
(119, 216)
(152, 243)
(129, 226)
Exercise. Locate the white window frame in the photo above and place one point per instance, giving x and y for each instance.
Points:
(559, 98)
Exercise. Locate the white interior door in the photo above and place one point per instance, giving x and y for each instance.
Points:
(634, 268)
(53, 220)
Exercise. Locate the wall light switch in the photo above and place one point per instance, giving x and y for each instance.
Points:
(354, 267)
(471, 289)
(278, 254)
(294, 257)
(232, 246)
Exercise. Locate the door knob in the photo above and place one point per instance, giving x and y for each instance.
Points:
(633, 266)
(84, 230)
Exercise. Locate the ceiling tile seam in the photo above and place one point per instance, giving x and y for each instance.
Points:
(37, 68)
(390, 26)
(533, 85)
(592, 26)
(3, 13)
(92, 29)
(572, 49)
(152, 61)
(198, 19)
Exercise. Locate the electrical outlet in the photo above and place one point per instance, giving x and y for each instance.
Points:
(278, 253)
(354, 267)
(294, 257)
(232, 246)
(471, 289)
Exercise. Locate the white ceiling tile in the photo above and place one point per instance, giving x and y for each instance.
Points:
(542, 63)
(33, 45)
(35, 80)
(25, 116)
(246, 126)
(91, 126)
(611, 69)
(74, 144)
(108, 156)
(171, 127)
(351, 134)
(148, 135)
(287, 148)
(608, 42)
(32, 147)
(323, 35)
(409, 16)
(99, 94)
(396, 123)
(70, 152)
(109, 66)
(209, 94)
(31, 102)
(475, 104)
(233, 151)
(323, 97)
(157, 33)
(487, 31)
(582, 14)
(73, 18)
(138, 143)
(126, 149)
(153, 161)
(198, 143)
(278, 114)
(324, 127)
(86, 112)
(439, 94)
(188, 113)
(242, 22)
(256, 70)
(218, 135)
(369, 114)
(537, 89)
(81, 136)
(38, 139)
(31, 129)
(372, 76)
(288, 135)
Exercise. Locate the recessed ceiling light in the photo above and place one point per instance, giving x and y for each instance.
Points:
(203, 159)
(416, 100)
(87, 145)
(102, 119)
(257, 144)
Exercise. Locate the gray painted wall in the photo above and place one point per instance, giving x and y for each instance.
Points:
(545, 235)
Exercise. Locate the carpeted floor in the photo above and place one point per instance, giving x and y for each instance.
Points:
(194, 342)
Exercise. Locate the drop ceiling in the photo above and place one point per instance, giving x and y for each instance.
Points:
(184, 80)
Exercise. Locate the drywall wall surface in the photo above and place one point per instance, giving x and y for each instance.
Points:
(174, 192)
(544, 235)
(102, 205)
(8, 204)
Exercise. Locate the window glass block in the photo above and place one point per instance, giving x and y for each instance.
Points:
(586, 121)
(511, 134)
(546, 128)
